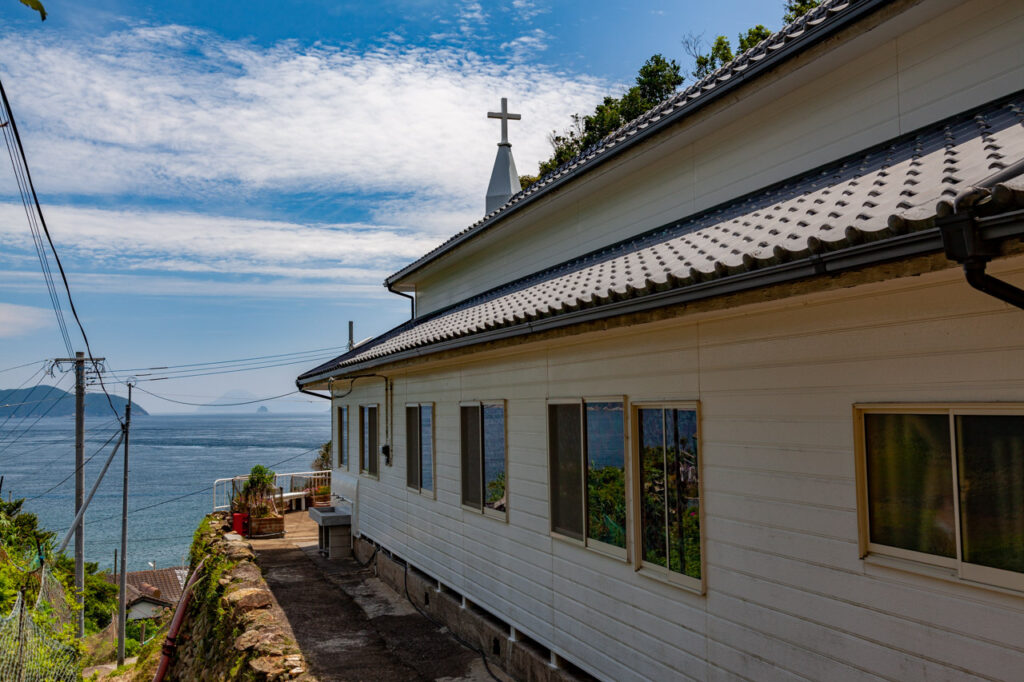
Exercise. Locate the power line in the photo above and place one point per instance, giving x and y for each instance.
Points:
(182, 402)
(334, 349)
(27, 364)
(49, 239)
(198, 491)
(65, 479)
(230, 369)
(22, 181)
(21, 419)
(28, 428)
(43, 465)
(41, 372)
(236, 370)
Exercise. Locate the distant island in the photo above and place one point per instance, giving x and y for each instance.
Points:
(51, 401)
(262, 409)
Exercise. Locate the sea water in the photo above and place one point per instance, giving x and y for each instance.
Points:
(171, 456)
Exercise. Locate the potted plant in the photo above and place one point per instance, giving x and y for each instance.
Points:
(259, 492)
(322, 496)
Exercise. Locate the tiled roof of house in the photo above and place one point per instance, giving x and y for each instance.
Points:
(885, 191)
(162, 584)
(820, 22)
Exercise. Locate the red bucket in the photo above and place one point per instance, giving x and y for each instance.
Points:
(240, 523)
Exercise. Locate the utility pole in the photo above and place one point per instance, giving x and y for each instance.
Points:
(79, 362)
(123, 584)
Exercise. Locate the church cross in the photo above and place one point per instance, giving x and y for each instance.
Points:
(505, 118)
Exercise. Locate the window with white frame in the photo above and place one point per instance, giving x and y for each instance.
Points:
(587, 469)
(368, 459)
(668, 491)
(341, 428)
(419, 446)
(944, 485)
(483, 458)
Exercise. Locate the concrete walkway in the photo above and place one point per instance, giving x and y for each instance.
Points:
(350, 625)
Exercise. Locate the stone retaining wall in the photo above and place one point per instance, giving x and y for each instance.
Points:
(230, 631)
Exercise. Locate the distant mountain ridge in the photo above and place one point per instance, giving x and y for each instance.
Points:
(54, 402)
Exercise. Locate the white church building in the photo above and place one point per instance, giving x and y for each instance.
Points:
(737, 393)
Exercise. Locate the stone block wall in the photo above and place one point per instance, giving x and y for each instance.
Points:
(230, 631)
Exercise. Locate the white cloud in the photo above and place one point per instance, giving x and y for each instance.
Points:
(18, 320)
(319, 258)
(526, 45)
(172, 111)
(527, 9)
(158, 285)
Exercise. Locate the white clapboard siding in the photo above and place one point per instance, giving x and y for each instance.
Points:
(788, 596)
(933, 60)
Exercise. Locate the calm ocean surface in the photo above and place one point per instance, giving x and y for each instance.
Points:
(171, 455)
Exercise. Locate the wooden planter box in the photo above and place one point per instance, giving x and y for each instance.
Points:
(266, 527)
(322, 500)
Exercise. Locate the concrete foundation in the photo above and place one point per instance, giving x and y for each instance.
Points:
(504, 645)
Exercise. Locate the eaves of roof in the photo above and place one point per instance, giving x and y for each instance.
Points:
(875, 206)
(820, 23)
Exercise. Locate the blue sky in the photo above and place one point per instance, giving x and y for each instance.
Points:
(228, 180)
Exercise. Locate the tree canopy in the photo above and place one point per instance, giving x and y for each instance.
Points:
(37, 6)
(657, 79)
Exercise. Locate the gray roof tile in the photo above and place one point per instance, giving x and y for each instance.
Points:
(886, 190)
(829, 15)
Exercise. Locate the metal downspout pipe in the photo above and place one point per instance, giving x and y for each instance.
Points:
(974, 272)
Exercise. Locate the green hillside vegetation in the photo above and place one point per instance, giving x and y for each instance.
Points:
(51, 401)
(656, 81)
(22, 544)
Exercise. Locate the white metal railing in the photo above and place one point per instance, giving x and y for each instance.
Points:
(290, 484)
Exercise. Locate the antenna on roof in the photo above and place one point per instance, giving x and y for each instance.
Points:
(504, 177)
(351, 333)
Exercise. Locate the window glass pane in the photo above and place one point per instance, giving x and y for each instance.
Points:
(427, 447)
(342, 436)
(412, 446)
(494, 457)
(683, 495)
(565, 455)
(372, 449)
(990, 455)
(910, 487)
(652, 485)
(606, 473)
(471, 474)
(364, 438)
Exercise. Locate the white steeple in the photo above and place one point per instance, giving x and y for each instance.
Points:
(504, 178)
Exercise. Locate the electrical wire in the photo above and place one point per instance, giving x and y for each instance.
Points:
(27, 364)
(39, 445)
(182, 402)
(28, 414)
(42, 223)
(28, 428)
(205, 373)
(68, 477)
(41, 371)
(70, 444)
(198, 491)
(37, 241)
(237, 360)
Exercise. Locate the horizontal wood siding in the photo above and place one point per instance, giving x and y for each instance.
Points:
(934, 60)
(788, 596)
